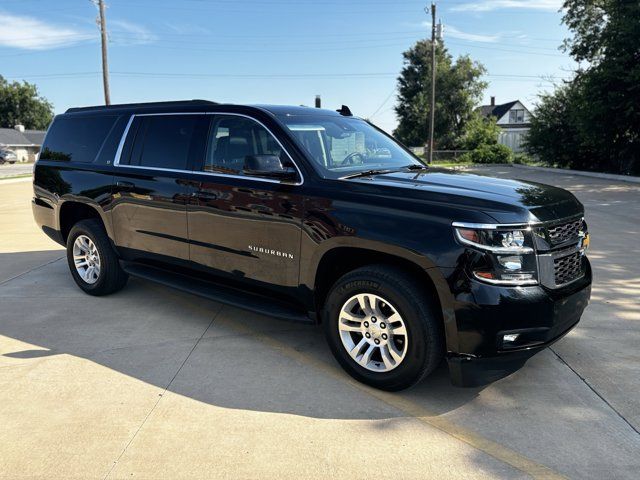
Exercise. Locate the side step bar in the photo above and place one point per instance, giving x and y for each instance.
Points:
(218, 293)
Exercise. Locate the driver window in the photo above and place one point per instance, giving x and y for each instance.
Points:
(233, 138)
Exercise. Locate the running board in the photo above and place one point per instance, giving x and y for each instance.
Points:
(218, 293)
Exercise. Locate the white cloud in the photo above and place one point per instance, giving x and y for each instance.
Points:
(453, 32)
(33, 34)
(488, 5)
(122, 32)
(187, 28)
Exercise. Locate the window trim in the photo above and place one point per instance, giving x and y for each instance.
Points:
(118, 156)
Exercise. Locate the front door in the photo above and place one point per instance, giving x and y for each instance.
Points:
(243, 225)
(150, 190)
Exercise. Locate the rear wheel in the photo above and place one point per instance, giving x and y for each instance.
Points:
(93, 263)
(382, 329)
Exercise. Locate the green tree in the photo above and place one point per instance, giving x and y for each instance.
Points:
(554, 134)
(481, 138)
(458, 90)
(480, 131)
(602, 102)
(21, 104)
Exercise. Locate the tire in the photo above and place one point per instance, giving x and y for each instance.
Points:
(391, 290)
(109, 277)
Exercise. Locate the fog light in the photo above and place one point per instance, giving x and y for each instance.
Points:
(510, 338)
(511, 263)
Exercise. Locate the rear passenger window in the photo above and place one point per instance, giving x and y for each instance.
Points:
(163, 141)
(76, 138)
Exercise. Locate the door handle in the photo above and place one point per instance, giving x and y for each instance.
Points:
(204, 195)
(125, 185)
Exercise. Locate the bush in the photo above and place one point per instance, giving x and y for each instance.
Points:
(496, 153)
(522, 159)
(479, 131)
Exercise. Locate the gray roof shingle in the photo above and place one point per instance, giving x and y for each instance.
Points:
(36, 137)
(11, 136)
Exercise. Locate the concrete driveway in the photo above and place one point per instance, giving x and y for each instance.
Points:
(154, 383)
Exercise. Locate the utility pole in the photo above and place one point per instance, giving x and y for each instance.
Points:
(105, 64)
(433, 79)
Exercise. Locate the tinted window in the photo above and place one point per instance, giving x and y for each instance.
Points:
(340, 146)
(163, 141)
(76, 139)
(233, 138)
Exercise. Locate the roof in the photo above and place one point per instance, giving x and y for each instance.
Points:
(296, 110)
(497, 111)
(129, 106)
(197, 105)
(11, 137)
(35, 136)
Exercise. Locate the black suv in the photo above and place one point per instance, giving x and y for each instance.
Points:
(317, 216)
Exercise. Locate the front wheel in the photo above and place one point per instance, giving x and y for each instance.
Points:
(382, 329)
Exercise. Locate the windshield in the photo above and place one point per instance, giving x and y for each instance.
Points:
(341, 146)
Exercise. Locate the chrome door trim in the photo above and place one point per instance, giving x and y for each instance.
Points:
(116, 161)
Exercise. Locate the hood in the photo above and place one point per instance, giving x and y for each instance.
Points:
(507, 201)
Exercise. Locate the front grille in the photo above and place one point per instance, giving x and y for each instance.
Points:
(565, 231)
(568, 268)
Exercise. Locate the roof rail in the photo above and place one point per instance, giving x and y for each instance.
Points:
(141, 105)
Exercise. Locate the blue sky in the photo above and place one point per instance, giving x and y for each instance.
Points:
(273, 51)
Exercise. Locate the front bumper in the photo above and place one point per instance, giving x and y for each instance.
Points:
(485, 313)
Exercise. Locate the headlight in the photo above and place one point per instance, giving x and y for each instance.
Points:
(507, 256)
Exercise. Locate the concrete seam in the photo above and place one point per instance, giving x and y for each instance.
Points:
(29, 271)
(601, 397)
(161, 396)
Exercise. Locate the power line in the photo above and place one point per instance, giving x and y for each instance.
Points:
(264, 76)
(383, 103)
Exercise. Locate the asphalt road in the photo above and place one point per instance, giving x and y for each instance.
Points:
(154, 383)
(8, 170)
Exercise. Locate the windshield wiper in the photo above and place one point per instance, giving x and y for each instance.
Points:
(367, 173)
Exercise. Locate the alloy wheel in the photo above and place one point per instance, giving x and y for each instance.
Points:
(86, 259)
(373, 332)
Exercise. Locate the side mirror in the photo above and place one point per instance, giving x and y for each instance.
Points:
(268, 166)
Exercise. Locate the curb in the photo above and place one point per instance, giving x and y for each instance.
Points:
(606, 176)
(7, 180)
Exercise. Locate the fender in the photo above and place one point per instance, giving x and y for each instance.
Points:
(435, 274)
(104, 215)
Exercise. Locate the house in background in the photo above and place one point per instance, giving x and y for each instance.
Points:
(25, 143)
(513, 118)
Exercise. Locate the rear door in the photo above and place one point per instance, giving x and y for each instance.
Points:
(151, 186)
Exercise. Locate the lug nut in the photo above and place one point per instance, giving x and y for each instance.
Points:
(368, 335)
(383, 325)
(377, 341)
(366, 324)
(384, 336)
(374, 319)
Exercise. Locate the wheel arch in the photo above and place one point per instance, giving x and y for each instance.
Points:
(72, 211)
(332, 263)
